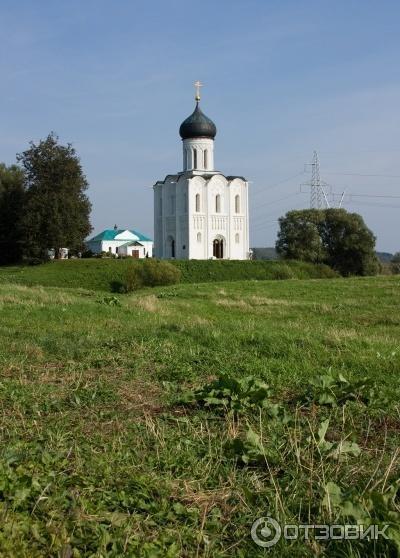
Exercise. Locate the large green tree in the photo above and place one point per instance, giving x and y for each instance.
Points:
(299, 236)
(57, 208)
(332, 236)
(12, 204)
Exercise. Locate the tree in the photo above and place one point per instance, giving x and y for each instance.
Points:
(349, 243)
(57, 209)
(299, 237)
(395, 264)
(331, 236)
(12, 202)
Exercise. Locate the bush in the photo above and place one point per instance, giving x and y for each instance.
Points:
(322, 271)
(202, 271)
(118, 286)
(150, 273)
(157, 273)
(88, 254)
(283, 272)
(395, 267)
(133, 279)
(35, 261)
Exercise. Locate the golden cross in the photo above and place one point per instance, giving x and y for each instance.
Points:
(197, 85)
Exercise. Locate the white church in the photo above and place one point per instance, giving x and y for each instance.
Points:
(199, 213)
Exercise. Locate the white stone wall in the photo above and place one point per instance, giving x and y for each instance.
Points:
(158, 221)
(198, 154)
(148, 247)
(197, 220)
(226, 224)
(192, 224)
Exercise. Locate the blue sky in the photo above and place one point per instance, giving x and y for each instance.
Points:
(282, 78)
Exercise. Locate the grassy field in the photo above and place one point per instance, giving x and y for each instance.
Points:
(100, 274)
(114, 444)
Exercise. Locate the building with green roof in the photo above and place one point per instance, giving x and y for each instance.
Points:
(121, 242)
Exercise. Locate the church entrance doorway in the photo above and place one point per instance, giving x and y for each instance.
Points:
(218, 248)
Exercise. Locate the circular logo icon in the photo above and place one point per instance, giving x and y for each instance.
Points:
(266, 531)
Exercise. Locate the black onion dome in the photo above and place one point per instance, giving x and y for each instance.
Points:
(197, 125)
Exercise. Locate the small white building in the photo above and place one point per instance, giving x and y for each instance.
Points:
(122, 242)
(62, 253)
(199, 213)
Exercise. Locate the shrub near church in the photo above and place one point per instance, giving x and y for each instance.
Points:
(150, 273)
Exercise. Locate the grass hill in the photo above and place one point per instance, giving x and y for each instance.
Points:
(99, 274)
(115, 442)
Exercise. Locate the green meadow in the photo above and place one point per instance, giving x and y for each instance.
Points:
(164, 423)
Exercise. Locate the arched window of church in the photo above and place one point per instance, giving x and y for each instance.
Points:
(198, 237)
(172, 200)
(237, 239)
(187, 159)
(237, 204)
(217, 203)
(205, 159)
(197, 203)
(195, 158)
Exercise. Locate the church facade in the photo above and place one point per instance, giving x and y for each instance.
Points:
(199, 213)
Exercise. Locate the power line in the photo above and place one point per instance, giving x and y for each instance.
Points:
(278, 200)
(370, 196)
(262, 190)
(360, 174)
(318, 195)
(356, 202)
(346, 152)
(267, 225)
(260, 218)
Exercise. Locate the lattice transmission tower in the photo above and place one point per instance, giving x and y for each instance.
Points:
(318, 197)
(316, 191)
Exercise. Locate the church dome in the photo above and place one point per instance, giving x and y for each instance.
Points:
(197, 125)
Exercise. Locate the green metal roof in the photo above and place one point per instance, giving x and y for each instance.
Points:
(110, 234)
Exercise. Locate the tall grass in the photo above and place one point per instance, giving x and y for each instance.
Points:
(115, 441)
